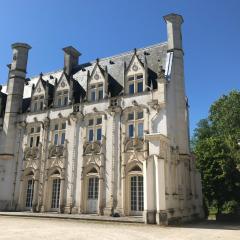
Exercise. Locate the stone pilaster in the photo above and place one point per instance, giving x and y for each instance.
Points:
(42, 173)
(149, 191)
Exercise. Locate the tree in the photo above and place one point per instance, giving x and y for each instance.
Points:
(215, 144)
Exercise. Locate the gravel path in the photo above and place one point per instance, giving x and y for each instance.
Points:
(20, 228)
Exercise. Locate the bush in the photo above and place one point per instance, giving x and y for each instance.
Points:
(231, 207)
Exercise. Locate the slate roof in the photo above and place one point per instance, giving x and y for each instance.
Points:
(155, 55)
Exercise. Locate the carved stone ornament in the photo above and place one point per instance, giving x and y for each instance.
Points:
(34, 164)
(56, 162)
(134, 67)
(46, 122)
(92, 160)
(63, 84)
(56, 151)
(134, 144)
(155, 105)
(161, 72)
(92, 148)
(31, 153)
(96, 76)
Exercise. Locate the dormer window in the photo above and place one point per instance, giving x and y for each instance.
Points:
(93, 93)
(62, 98)
(38, 103)
(135, 83)
(96, 92)
(100, 91)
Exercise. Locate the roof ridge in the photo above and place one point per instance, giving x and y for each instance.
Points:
(129, 52)
(47, 73)
(107, 58)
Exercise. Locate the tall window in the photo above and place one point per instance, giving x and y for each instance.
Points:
(135, 127)
(55, 193)
(137, 193)
(38, 103)
(96, 92)
(62, 98)
(93, 183)
(34, 136)
(94, 129)
(59, 133)
(135, 83)
(29, 196)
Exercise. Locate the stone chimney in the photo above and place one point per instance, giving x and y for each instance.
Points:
(177, 107)
(71, 56)
(174, 22)
(16, 82)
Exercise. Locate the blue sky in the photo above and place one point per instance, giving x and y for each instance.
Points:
(211, 37)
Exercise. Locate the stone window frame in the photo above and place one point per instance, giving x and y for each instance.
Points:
(131, 171)
(96, 88)
(133, 119)
(59, 129)
(94, 126)
(54, 173)
(34, 133)
(136, 174)
(133, 80)
(29, 174)
(62, 98)
(28, 203)
(38, 103)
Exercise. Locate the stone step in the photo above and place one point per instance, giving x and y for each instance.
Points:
(88, 217)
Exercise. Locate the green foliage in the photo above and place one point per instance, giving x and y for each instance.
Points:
(231, 206)
(215, 144)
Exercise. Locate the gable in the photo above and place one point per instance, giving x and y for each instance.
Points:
(97, 75)
(115, 64)
(135, 66)
(63, 83)
(39, 89)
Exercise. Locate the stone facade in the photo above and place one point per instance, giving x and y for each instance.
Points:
(108, 137)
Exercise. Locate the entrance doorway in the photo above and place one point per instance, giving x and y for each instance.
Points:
(55, 193)
(136, 195)
(29, 196)
(92, 201)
